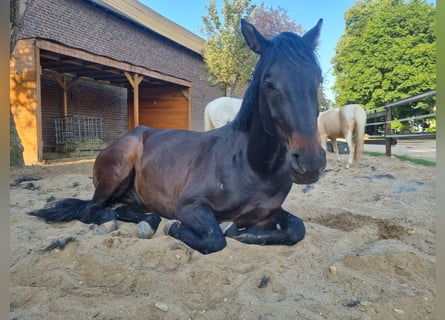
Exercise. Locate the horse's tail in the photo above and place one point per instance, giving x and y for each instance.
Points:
(63, 210)
(208, 125)
(360, 123)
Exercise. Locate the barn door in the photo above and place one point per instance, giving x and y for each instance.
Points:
(163, 107)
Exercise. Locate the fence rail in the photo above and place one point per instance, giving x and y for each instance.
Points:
(78, 129)
(386, 111)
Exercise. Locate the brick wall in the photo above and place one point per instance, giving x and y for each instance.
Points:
(79, 24)
(86, 99)
(23, 95)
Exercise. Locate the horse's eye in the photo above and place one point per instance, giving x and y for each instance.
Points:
(269, 85)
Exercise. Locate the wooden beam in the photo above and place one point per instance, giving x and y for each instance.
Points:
(186, 93)
(65, 97)
(50, 56)
(66, 83)
(150, 19)
(135, 80)
(388, 116)
(87, 56)
(38, 96)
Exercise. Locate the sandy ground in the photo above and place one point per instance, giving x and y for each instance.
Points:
(369, 253)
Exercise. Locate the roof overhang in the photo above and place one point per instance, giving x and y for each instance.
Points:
(55, 57)
(147, 18)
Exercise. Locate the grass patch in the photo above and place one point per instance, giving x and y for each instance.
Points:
(373, 153)
(423, 162)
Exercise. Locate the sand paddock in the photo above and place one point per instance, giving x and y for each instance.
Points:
(369, 253)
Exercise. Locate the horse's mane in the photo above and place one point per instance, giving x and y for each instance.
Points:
(287, 46)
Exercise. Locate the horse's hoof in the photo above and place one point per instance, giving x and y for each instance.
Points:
(226, 225)
(153, 220)
(145, 230)
(169, 225)
(106, 227)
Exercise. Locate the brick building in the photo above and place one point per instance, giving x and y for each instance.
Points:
(103, 65)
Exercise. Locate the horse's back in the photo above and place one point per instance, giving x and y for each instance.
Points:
(220, 111)
(329, 123)
(126, 142)
(120, 156)
(336, 123)
(177, 165)
(353, 112)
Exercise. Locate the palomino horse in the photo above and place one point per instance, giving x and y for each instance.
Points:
(227, 182)
(347, 122)
(220, 111)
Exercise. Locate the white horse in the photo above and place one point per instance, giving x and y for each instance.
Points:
(347, 122)
(220, 111)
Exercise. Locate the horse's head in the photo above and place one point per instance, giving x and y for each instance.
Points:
(287, 77)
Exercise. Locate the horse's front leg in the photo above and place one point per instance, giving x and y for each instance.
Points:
(283, 229)
(197, 227)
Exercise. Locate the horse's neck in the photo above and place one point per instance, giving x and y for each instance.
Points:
(264, 153)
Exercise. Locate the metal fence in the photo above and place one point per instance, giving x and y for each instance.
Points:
(78, 129)
(386, 114)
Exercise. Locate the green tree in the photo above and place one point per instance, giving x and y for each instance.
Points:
(387, 53)
(229, 61)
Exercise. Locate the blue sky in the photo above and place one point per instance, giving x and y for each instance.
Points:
(305, 12)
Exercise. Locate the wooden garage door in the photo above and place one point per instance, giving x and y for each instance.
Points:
(163, 107)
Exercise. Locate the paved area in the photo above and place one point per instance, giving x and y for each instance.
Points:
(422, 148)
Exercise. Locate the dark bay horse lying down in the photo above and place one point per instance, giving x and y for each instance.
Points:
(227, 182)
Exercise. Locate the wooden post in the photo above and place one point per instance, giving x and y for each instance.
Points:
(388, 140)
(188, 95)
(135, 81)
(38, 96)
(62, 80)
(65, 83)
(65, 97)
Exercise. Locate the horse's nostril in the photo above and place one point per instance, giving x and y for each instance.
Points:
(296, 164)
(303, 164)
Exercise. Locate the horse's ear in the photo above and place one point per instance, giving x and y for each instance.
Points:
(253, 38)
(313, 35)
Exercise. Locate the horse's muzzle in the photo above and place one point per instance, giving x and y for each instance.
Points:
(307, 168)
